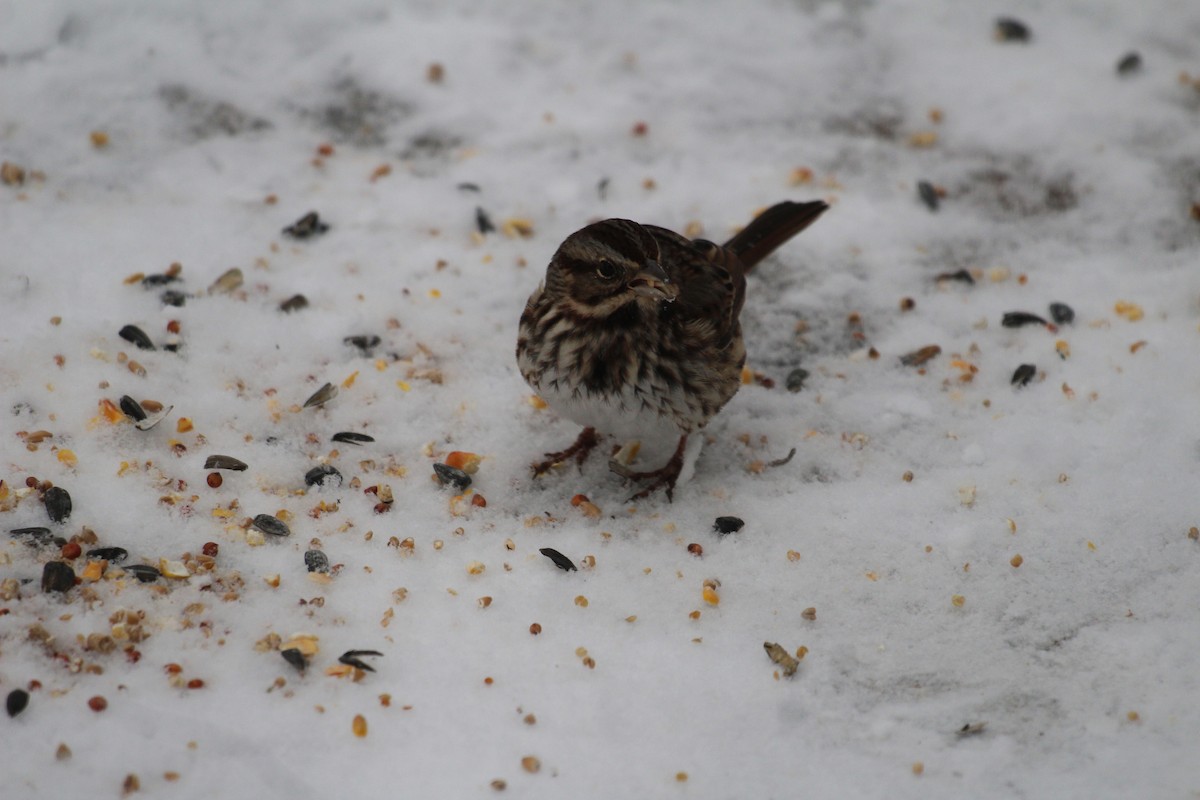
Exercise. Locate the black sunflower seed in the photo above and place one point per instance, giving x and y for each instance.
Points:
(316, 561)
(560, 561)
(57, 577)
(1129, 64)
(271, 525)
(321, 396)
(795, 379)
(323, 475)
(225, 462)
(1015, 319)
(16, 701)
(114, 555)
(308, 225)
(468, 187)
(58, 503)
(483, 223)
(159, 279)
(1062, 313)
(960, 275)
(351, 658)
(132, 408)
(724, 525)
(294, 657)
(364, 342)
(928, 195)
(350, 437)
(1023, 375)
(34, 537)
(132, 333)
(293, 303)
(144, 572)
(1012, 30)
(173, 297)
(452, 476)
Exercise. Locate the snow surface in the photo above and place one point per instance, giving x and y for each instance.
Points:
(1081, 661)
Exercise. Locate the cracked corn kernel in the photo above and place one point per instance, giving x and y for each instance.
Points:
(183, 425)
(581, 601)
(809, 613)
(499, 784)
(792, 555)
(359, 726)
(958, 600)
(531, 764)
(467, 462)
(681, 777)
(1130, 311)
(110, 412)
(1133, 716)
(476, 568)
(918, 767)
(1016, 560)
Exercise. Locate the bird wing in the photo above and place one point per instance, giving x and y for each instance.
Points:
(711, 281)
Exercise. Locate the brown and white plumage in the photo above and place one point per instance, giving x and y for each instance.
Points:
(635, 330)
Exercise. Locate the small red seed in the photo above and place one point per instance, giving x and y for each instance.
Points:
(97, 704)
(215, 480)
(195, 683)
(695, 549)
(640, 129)
(173, 669)
(173, 326)
(71, 550)
(479, 501)
(210, 549)
(535, 629)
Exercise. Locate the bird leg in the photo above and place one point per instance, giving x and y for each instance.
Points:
(584, 443)
(662, 478)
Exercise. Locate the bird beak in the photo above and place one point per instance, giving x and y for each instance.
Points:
(653, 282)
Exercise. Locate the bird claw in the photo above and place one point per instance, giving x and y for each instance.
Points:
(583, 445)
(663, 478)
(630, 475)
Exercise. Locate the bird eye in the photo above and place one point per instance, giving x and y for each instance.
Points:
(606, 270)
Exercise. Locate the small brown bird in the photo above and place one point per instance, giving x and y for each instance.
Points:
(635, 331)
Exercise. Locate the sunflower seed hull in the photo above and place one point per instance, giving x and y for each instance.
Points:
(271, 526)
(134, 334)
(225, 462)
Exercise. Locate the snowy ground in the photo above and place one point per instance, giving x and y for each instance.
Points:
(153, 133)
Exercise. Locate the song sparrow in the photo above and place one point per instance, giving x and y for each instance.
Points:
(635, 330)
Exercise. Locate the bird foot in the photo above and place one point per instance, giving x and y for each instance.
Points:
(663, 478)
(584, 443)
